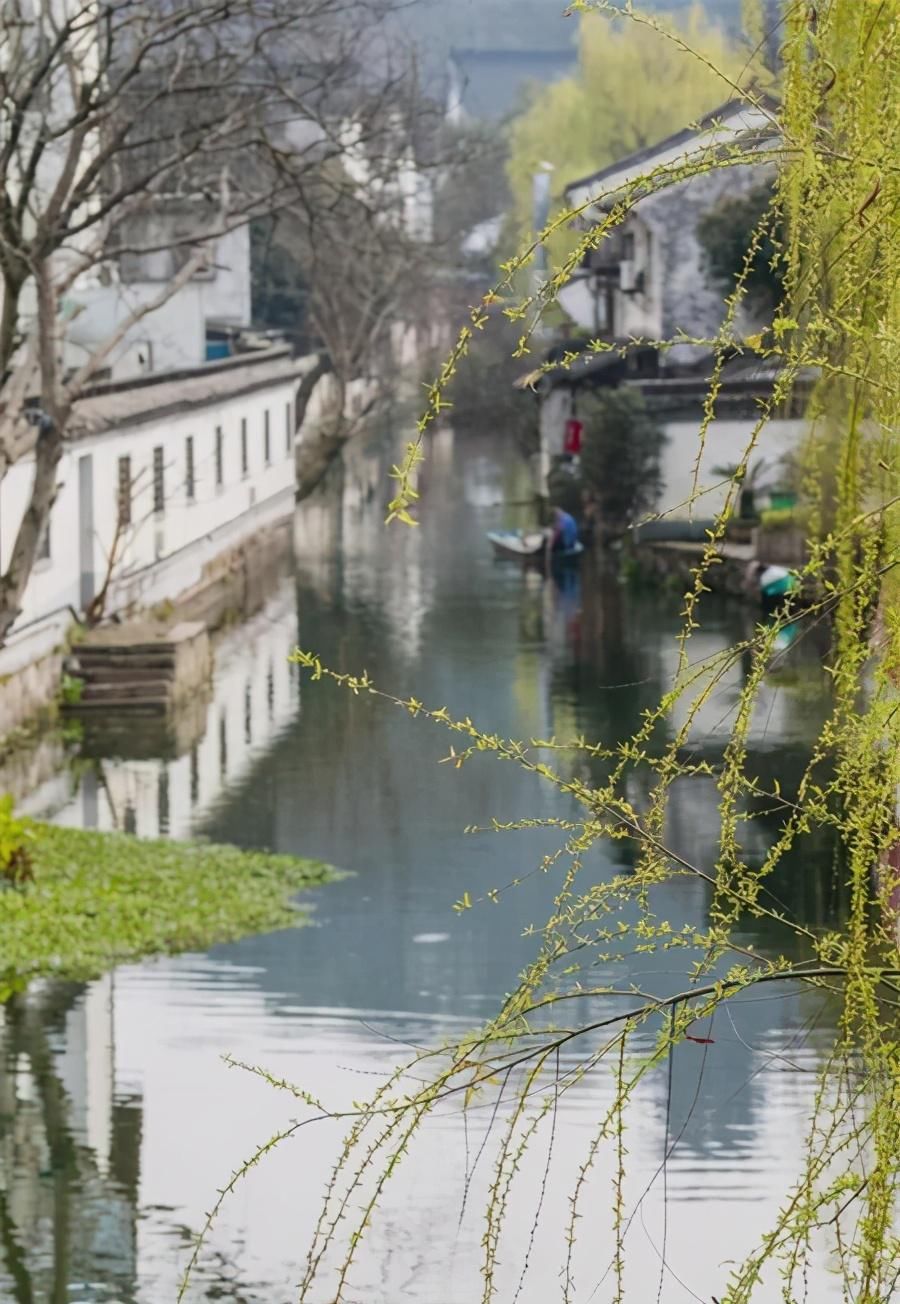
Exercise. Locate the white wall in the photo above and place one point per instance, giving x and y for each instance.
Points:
(173, 335)
(162, 555)
(725, 444)
(555, 410)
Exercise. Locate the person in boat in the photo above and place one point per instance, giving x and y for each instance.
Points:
(564, 537)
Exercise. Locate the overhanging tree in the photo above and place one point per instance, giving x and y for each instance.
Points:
(576, 1015)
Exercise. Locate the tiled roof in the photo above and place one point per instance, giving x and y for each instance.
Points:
(111, 408)
(735, 108)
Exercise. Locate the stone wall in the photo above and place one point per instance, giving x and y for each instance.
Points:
(28, 691)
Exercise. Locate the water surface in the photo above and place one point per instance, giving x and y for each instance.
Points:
(118, 1118)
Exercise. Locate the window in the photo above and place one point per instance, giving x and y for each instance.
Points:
(159, 481)
(190, 484)
(267, 441)
(220, 469)
(43, 546)
(162, 800)
(244, 461)
(628, 246)
(288, 430)
(223, 744)
(123, 499)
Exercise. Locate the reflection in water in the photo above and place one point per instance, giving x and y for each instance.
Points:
(254, 697)
(388, 964)
(68, 1148)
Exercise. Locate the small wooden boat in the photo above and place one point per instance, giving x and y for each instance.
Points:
(530, 548)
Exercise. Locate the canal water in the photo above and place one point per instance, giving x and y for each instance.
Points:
(119, 1119)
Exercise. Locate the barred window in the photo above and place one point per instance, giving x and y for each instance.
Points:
(159, 480)
(123, 492)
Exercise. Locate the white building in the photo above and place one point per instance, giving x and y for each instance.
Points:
(647, 278)
(647, 283)
(190, 328)
(163, 476)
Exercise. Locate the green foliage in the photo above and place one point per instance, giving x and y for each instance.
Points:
(565, 489)
(71, 690)
(101, 899)
(16, 866)
(612, 107)
(840, 191)
(618, 479)
(726, 235)
(484, 396)
(783, 518)
(620, 457)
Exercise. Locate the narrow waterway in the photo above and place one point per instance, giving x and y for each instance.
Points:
(119, 1119)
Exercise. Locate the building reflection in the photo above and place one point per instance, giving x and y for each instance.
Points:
(69, 1148)
(167, 787)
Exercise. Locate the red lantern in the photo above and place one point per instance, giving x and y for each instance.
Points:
(574, 429)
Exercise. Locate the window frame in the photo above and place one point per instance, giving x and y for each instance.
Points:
(190, 470)
(159, 480)
(124, 496)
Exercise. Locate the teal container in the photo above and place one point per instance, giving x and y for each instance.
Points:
(782, 502)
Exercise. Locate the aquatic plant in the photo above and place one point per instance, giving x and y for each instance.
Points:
(101, 899)
(837, 141)
(16, 865)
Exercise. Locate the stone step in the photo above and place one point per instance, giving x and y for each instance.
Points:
(144, 690)
(138, 667)
(105, 674)
(157, 652)
(127, 706)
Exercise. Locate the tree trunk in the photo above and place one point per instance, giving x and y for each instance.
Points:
(307, 385)
(47, 452)
(315, 456)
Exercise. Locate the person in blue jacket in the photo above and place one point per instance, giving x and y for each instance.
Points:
(565, 531)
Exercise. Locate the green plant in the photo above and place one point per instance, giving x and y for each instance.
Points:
(16, 865)
(71, 690)
(72, 732)
(780, 518)
(726, 234)
(609, 107)
(747, 479)
(565, 486)
(101, 899)
(620, 457)
(839, 141)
